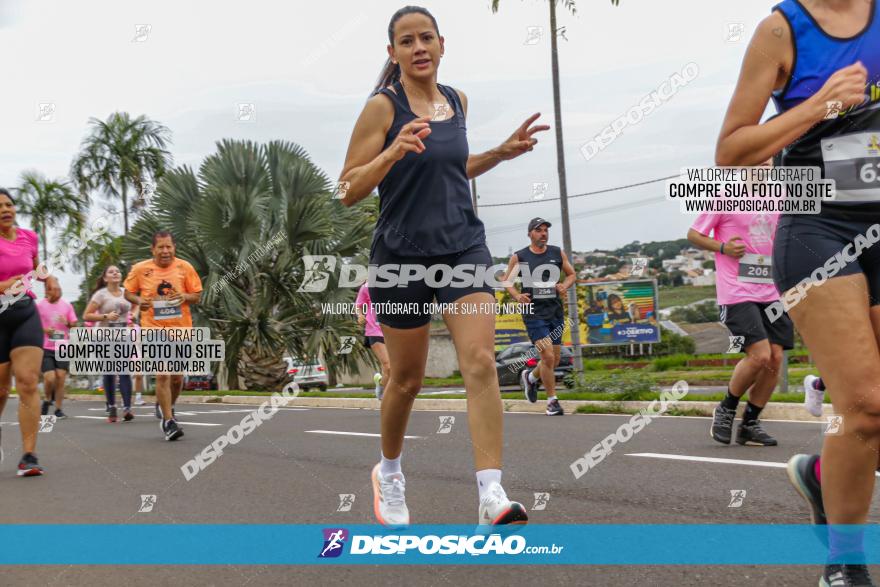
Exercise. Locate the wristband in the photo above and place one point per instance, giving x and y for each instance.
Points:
(722, 248)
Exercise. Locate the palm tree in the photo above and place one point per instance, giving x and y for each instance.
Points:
(121, 154)
(244, 197)
(50, 204)
(560, 164)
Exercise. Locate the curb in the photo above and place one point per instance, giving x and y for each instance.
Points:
(773, 411)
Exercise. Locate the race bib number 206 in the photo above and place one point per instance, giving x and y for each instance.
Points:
(755, 268)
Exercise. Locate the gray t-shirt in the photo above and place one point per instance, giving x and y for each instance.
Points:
(106, 302)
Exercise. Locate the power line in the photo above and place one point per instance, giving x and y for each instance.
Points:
(587, 213)
(605, 191)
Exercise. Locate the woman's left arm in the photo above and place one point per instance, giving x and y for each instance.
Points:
(519, 142)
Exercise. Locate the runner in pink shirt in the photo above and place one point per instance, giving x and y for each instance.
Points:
(373, 338)
(743, 245)
(21, 334)
(57, 317)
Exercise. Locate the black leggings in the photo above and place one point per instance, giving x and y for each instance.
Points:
(124, 388)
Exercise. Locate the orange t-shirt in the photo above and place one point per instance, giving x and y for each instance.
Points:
(154, 283)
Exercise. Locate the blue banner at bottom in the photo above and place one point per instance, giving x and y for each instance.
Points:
(292, 544)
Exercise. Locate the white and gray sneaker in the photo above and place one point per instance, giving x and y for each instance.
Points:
(813, 398)
(389, 501)
(496, 509)
(377, 379)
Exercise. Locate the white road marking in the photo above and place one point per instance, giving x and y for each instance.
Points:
(179, 421)
(352, 433)
(654, 455)
(193, 413)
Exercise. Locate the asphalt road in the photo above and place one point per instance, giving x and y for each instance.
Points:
(285, 472)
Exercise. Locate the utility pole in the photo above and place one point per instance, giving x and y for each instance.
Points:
(563, 191)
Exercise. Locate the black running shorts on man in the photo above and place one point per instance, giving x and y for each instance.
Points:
(750, 320)
(51, 363)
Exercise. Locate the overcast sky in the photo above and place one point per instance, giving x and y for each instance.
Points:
(307, 68)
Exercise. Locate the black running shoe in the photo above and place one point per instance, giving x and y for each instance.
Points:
(753, 435)
(172, 430)
(28, 466)
(59, 415)
(554, 409)
(529, 389)
(112, 415)
(846, 576)
(44, 408)
(802, 474)
(127, 415)
(722, 424)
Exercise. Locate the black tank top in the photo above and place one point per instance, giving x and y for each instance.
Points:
(546, 300)
(425, 204)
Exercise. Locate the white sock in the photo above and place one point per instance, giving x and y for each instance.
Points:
(389, 466)
(550, 398)
(532, 378)
(485, 478)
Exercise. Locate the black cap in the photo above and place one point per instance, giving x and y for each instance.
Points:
(536, 222)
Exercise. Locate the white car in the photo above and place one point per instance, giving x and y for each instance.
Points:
(306, 375)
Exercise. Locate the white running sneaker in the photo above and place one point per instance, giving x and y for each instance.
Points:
(377, 379)
(139, 399)
(496, 509)
(389, 502)
(813, 398)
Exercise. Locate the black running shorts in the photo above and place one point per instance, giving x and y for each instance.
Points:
(808, 248)
(20, 326)
(750, 321)
(409, 306)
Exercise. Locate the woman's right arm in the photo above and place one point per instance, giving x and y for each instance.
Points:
(365, 162)
(91, 313)
(743, 139)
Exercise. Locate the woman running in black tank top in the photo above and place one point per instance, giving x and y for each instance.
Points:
(410, 141)
(820, 62)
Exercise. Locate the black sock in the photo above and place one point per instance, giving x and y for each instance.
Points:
(819, 384)
(751, 414)
(730, 401)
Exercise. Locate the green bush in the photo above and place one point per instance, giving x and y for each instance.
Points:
(625, 385)
(673, 344)
(699, 313)
(670, 362)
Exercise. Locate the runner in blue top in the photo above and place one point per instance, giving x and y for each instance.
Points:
(411, 142)
(820, 63)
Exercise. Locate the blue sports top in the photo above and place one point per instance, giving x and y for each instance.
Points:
(845, 147)
(425, 204)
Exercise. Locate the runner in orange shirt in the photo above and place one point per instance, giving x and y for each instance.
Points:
(164, 287)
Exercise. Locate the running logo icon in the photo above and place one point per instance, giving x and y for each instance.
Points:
(142, 32)
(147, 504)
(47, 423)
(834, 426)
(639, 264)
(736, 344)
(46, 112)
(539, 190)
(440, 111)
(533, 35)
(541, 500)
(833, 109)
(874, 146)
(334, 541)
(737, 497)
(446, 423)
(346, 500)
(247, 112)
(346, 344)
(341, 189)
(317, 272)
(735, 32)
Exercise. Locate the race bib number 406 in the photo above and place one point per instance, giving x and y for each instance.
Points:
(755, 268)
(165, 310)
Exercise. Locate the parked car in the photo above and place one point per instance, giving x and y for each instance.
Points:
(509, 362)
(308, 374)
(199, 382)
